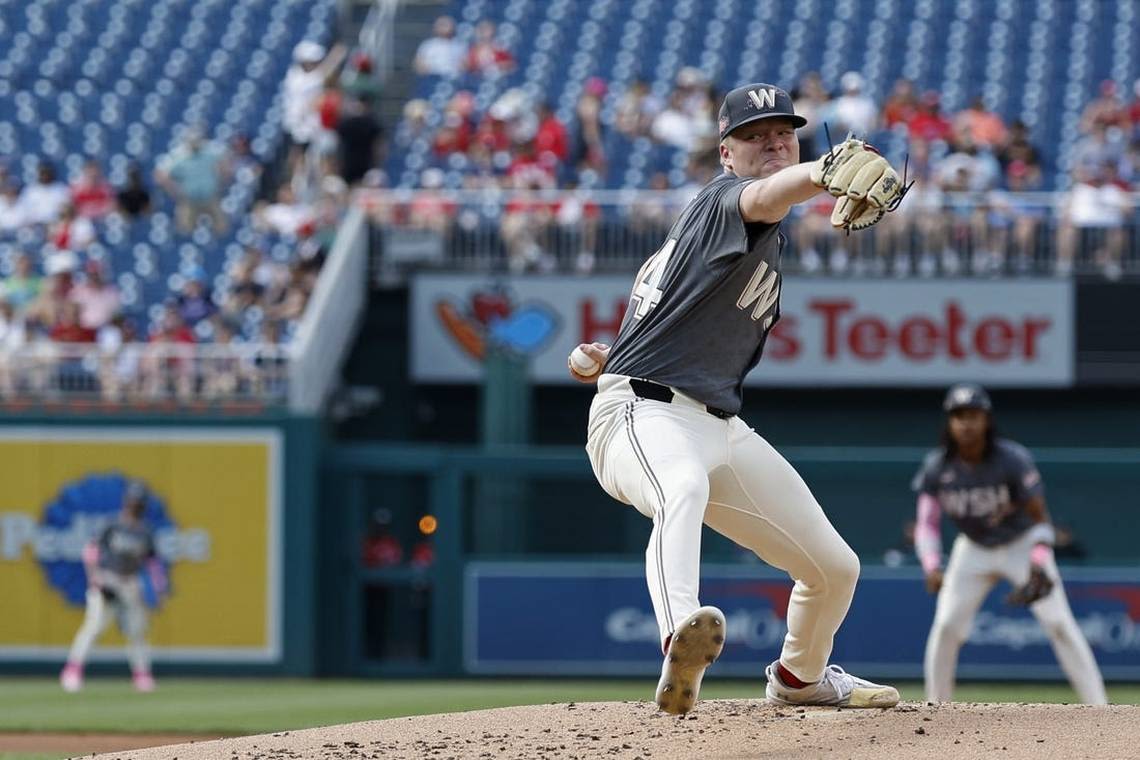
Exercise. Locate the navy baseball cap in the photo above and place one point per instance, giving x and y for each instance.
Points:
(753, 102)
(966, 396)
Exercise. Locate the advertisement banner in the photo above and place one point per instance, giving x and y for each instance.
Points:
(596, 619)
(216, 495)
(831, 333)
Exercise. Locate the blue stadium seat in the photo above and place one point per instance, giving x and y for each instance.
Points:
(119, 79)
(1035, 60)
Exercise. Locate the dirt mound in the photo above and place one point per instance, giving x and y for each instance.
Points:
(720, 729)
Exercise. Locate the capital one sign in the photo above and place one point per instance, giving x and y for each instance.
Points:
(831, 332)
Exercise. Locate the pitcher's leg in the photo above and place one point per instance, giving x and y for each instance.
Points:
(762, 503)
(965, 586)
(655, 462)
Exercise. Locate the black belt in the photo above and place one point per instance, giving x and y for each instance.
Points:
(658, 392)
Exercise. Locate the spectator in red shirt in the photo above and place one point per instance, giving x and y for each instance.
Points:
(67, 328)
(485, 56)
(71, 232)
(493, 133)
(168, 362)
(455, 133)
(91, 194)
(902, 104)
(329, 104)
(928, 123)
(551, 141)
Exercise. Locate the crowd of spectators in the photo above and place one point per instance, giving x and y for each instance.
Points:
(70, 323)
(972, 210)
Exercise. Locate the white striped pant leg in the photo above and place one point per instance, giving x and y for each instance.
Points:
(970, 576)
(1056, 618)
(95, 620)
(657, 461)
(134, 626)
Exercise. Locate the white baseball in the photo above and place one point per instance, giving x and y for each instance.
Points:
(583, 364)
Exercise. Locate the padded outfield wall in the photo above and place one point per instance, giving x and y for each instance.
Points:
(233, 499)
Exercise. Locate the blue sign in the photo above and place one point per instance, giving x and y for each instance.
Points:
(596, 619)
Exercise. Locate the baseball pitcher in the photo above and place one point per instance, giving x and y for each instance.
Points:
(664, 435)
(113, 562)
(993, 492)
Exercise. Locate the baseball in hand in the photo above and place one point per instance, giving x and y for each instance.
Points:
(581, 363)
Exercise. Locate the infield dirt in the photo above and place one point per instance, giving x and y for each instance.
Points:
(720, 729)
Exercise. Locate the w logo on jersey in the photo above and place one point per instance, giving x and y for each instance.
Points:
(763, 290)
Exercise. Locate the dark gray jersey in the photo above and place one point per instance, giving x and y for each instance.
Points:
(124, 548)
(985, 500)
(703, 305)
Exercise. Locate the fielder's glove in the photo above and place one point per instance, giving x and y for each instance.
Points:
(863, 182)
(1037, 587)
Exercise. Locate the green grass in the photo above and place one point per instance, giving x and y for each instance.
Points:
(251, 706)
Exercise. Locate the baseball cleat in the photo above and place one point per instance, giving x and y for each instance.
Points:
(837, 688)
(696, 644)
(71, 677)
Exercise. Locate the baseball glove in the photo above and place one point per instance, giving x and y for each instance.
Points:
(863, 182)
(1037, 587)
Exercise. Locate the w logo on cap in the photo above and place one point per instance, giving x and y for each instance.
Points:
(763, 99)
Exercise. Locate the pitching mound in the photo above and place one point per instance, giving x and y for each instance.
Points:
(716, 729)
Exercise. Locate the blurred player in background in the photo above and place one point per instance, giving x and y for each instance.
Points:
(992, 490)
(113, 562)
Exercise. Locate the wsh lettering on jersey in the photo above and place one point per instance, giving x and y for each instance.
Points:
(991, 502)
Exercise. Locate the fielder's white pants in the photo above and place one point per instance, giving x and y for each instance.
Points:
(971, 573)
(131, 613)
(681, 466)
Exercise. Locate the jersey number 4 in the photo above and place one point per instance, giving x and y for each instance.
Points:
(647, 290)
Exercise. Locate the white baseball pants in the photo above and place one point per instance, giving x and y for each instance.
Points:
(132, 619)
(971, 573)
(680, 466)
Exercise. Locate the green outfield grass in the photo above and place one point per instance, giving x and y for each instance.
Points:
(253, 706)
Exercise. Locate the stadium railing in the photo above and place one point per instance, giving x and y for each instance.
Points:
(943, 234)
(141, 373)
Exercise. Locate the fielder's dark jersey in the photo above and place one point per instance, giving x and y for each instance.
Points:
(124, 548)
(985, 500)
(703, 305)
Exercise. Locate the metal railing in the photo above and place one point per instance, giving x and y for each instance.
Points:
(142, 373)
(950, 234)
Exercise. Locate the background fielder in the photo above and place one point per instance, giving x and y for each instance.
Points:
(992, 490)
(663, 431)
(114, 590)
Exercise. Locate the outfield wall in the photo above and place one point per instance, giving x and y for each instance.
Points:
(233, 500)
